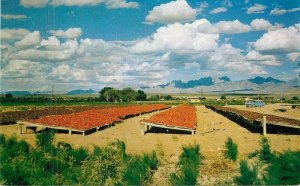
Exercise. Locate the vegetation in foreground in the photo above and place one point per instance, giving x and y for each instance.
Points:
(46, 164)
(188, 166)
(270, 168)
(231, 150)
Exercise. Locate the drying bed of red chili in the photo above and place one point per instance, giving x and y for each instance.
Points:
(13, 116)
(255, 116)
(181, 116)
(95, 118)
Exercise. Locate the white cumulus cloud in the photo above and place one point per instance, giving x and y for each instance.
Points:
(179, 38)
(13, 34)
(29, 40)
(202, 7)
(228, 58)
(114, 4)
(261, 24)
(218, 10)
(110, 4)
(277, 11)
(71, 33)
(174, 11)
(52, 43)
(281, 40)
(13, 17)
(34, 3)
(294, 56)
(232, 27)
(269, 60)
(192, 65)
(256, 9)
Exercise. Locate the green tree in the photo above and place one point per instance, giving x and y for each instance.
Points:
(265, 153)
(141, 96)
(168, 97)
(128, 95)
(231, 151)
(189, 164)
(154, 98)
(44, 139)
(112, 95)
(248, 174)
(223, 97)
(103, 91)
(8, 96)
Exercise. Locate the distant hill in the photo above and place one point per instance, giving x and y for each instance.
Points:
(79, 91)
(260, 80)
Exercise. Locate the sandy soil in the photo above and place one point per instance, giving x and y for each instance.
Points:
(212, 132)
(273, 109)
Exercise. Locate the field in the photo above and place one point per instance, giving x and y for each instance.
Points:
(211, 133)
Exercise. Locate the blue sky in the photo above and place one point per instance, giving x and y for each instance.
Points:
(95, 43)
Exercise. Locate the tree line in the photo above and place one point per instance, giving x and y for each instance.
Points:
(109, 94)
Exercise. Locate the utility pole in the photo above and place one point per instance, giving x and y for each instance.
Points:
(281, 97)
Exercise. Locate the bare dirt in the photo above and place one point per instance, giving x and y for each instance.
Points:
(212, 131)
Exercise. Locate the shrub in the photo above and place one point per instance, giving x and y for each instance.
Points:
(223, 97)
(79, 155)
(231, 150)
(248, 175)
(44, 139)
(46, 164)
(265, 153)
(188, 165)
(139, 170)
(99, 168)
(284, 169)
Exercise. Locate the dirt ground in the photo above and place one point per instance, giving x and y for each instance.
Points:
(212, 131)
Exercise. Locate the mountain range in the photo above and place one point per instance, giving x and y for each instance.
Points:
(225, 84)
(28, 93)
(79, 91)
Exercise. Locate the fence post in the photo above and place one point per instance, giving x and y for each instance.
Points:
(264, 125)
(143, 126)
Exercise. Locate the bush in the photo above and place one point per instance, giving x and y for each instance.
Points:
(231, 150)
(102, 169)
(46, 164)
(248, 175)
(44, 139)
(139, 170)
(265, 153)
(188, 165)
(284, 169)
(274, 168)
(223, 97)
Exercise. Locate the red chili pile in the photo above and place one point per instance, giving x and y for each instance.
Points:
(182, 116)
(96, 118)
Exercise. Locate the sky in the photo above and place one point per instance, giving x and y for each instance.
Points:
(72, 44)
